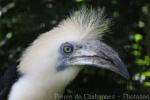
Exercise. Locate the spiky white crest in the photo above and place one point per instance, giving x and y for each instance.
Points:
(92, 23)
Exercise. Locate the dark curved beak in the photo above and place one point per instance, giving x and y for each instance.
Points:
(98, 54)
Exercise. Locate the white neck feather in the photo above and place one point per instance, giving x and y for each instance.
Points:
(42, 88)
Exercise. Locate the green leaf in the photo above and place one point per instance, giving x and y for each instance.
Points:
(136, 46)
(9, 35)
(138, 37)
(147, 84)
(141, 24)
(136, 53)
(140, 62)
(116, 14)
(79, 1)
(146, 73)
(147, 60)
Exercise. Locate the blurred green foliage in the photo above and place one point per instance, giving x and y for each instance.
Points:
(21, 21)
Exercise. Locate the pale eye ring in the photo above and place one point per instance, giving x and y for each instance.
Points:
(67, 48)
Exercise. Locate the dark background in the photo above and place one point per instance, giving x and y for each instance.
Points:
(21, 21)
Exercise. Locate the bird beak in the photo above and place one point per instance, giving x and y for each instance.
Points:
(98, 54)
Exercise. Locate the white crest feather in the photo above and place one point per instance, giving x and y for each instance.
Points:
(93, 23)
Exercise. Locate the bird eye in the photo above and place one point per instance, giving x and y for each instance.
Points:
(67, 47)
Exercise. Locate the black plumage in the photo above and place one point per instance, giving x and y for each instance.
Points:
(10, 76)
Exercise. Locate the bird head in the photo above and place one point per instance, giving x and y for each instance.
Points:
(62, 52)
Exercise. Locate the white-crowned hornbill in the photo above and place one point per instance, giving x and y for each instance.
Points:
(55, 58)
